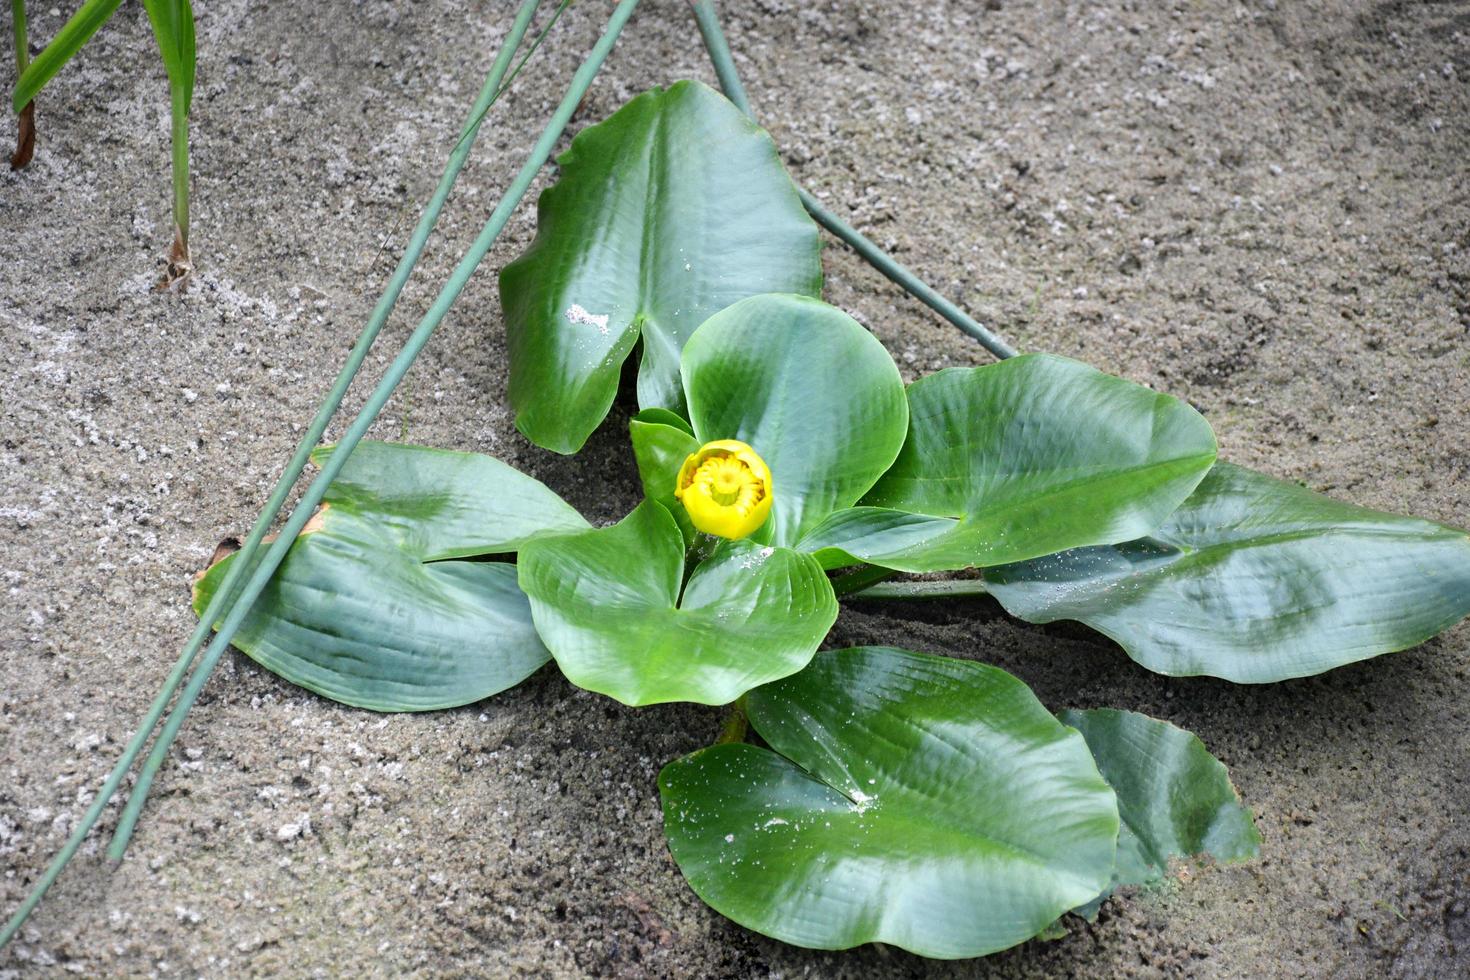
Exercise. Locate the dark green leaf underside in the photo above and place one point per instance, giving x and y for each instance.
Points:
(1255, 580)
(1175, 800)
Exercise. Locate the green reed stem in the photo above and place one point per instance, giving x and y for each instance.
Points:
(493, 88)
(724, 64)
(496, 84)
(395, 374)
(478, 113)
(243, 560)
(179, 135)
(949, 589)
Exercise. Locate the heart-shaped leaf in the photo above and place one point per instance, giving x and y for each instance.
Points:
(355, 614)
(1255, 580)
(1175, 800)
(909, 799)
(808, 389)
(608, 604)
(671, 210)
(1023, 458)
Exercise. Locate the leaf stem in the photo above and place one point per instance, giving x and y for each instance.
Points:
(395, 374)
(737, 723)
(245, 559)
(724, 64)
(948, 589)
(864, 578)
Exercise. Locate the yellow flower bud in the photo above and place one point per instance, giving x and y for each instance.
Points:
(726, 488)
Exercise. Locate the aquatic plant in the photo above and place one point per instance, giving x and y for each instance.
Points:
(853, 796)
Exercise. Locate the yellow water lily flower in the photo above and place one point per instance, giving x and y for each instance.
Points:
(726, 488)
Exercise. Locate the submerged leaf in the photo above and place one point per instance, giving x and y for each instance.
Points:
(1019, 459)
(1175, 800)
(609, 606)
(1255, 580)
(908, 799)
(358, 613)
(672, 209)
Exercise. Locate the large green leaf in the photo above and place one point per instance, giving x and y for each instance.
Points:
(1175, 800)
(1255, 580)
(356, 614)
(608, 604)
(810, 390)
(1023, 458)
(909, 799)
(671, 210)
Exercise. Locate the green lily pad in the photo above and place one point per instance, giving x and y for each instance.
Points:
(609, 606)
(1019, 459)
(1175, 800)
(355, 612)
(811, 391)
(672, 209)
(1255, 580)
(929, 803)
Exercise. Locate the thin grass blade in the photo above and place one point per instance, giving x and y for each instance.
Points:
(173, 26)
(63, 48)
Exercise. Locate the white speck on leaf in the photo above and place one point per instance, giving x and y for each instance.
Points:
(576, 314)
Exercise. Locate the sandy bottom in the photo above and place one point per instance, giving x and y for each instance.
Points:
(1261, 206)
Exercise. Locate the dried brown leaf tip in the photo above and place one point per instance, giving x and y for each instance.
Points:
(25, 137)
(317, 522)
(225, 548)
(228, 546)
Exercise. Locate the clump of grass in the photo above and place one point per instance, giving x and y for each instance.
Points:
(173, 27)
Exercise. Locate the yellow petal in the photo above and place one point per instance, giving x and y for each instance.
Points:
(726, 488)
